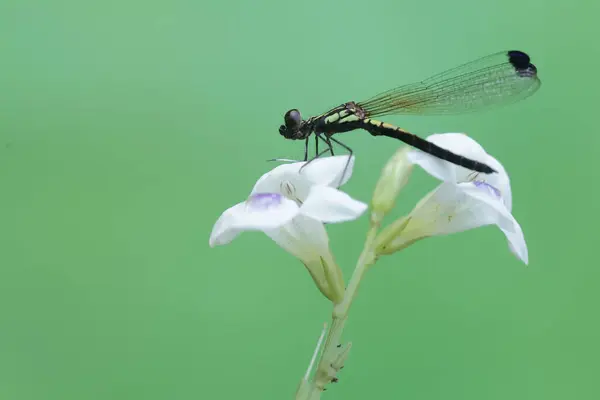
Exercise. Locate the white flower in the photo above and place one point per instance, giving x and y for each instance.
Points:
(465, 200)
(290, 204)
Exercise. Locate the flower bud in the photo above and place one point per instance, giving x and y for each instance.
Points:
(393, 178)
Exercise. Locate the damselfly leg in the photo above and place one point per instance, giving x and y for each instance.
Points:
(347, 162)
(328, 140)
(318, 155)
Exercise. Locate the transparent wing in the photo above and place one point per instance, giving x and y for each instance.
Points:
(495, 80)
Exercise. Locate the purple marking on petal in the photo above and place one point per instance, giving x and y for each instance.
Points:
(263, 201)
(483, 185)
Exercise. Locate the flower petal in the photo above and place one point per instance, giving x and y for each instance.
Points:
(503, 218)
(303, 237)
(433, 166)
(294, 180)
(271, 181)
(307, 240)
(328, 204)
(456, 208)
(261, 211)
(500, 180)
(444, 211)
(328, 171)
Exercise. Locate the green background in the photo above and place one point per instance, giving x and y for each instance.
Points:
(127, 127)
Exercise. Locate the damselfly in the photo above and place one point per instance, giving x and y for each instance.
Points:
(497, 79)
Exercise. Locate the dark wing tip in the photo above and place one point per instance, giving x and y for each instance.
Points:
(518, 59)
(521, 62)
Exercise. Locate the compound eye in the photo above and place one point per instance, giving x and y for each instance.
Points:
(293, 119)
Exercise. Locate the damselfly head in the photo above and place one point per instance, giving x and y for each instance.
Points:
(293, 121)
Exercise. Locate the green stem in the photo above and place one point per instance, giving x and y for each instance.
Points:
(324, 372)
